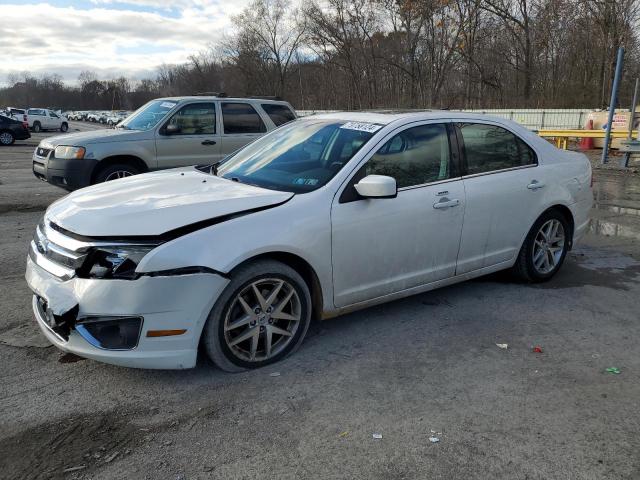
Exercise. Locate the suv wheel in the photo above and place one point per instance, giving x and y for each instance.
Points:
(36, 127)
(261, 317)
(64, 127)
(114, 172)
(6, 138)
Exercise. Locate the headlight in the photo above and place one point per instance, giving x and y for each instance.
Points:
(115, 262)
(66, 152)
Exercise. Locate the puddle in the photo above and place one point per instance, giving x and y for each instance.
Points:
(595, 267)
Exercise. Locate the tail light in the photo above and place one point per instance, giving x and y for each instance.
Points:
(25, 125)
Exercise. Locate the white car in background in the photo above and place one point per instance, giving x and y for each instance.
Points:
(322, 216)
(44, 119)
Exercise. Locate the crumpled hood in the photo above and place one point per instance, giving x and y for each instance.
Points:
(102, 135)
(156, 203)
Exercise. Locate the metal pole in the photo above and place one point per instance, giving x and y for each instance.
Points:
(612, 104)
(632, 114)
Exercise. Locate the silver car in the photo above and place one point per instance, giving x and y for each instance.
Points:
(164, 133)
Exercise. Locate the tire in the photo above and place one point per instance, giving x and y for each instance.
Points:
(217, 340)
(7, 138)
(115, 171)
(36, 127)
(64, 127)
(539, 258)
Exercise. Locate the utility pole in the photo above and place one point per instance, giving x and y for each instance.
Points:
(612, 104)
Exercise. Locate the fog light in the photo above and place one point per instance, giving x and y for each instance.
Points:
(111, 333)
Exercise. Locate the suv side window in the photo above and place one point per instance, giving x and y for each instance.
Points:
(279, 114)
(415, 156)
(241, 118)
(53, 115)
(34, 111)
(195, 119)
(489, 148)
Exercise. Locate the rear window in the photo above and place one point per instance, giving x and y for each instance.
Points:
(279, 114)
(241, 118)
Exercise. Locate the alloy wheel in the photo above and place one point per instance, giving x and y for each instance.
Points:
(262, 319)
(118, 174)
(548, 246)
(6, 138)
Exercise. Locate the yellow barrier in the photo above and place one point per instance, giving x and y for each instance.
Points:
(562, 136)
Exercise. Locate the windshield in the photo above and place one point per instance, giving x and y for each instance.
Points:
(300, 156)
(148, 116)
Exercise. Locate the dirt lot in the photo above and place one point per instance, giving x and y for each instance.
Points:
(427, 365)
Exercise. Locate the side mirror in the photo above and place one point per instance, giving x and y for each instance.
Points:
(377, 186)
(172, 129)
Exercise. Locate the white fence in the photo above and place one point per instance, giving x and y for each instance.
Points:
(535, 119)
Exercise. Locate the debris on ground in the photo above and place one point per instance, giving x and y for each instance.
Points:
(537, 349)
(377, 436)
(614, 370)
(274, 374)
(345, 433)
(111, 457)
(433, 439)
(503, 346)
(74, 469)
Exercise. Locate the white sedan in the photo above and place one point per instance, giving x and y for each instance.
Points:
(325, 215)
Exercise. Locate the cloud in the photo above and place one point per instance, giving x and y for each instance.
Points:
(113, 37)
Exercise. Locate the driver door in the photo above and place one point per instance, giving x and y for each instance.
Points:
(53, 121)
(383, 246)
(196, 140)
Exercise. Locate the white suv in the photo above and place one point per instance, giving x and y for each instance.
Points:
(44, 119)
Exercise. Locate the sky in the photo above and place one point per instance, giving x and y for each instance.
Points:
(109, 37)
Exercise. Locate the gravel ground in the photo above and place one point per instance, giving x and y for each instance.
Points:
(427, 366)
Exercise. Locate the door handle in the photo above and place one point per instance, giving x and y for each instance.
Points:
(535, 185)
(446, 203)
(209, 142)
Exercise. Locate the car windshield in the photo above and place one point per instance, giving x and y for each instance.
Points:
(148, 116)
(298, 157)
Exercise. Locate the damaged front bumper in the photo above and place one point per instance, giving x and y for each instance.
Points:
(115, 321)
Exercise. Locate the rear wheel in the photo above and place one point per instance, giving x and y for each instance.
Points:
(64, 127)
(114, 172)
(36, 127)
(261, 317)
(544, 249)
(7, 138)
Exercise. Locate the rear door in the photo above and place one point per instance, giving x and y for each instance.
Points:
(383, 246)
(197, 140)
(241, 124)
(504, 189)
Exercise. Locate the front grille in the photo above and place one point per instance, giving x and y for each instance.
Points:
(43, 152)
(62, 261)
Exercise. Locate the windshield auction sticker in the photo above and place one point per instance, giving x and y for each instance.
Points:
(362, 126)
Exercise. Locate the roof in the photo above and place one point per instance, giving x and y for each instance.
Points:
(385, 117)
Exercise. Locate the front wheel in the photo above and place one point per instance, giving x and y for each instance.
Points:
(114, 172)
(261, 317)
(7, 138)
(544, 249)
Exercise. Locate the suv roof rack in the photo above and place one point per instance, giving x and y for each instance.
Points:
(265, 97)
(211, 94)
